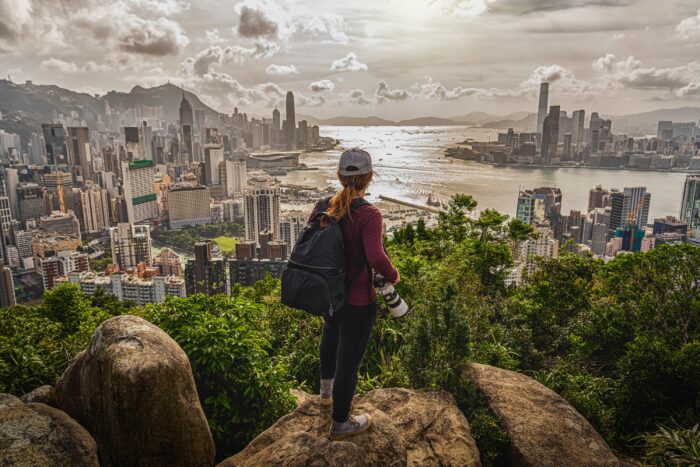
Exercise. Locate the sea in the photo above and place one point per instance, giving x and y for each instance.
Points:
(411, 165)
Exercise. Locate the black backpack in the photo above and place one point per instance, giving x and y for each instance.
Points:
(314, 280)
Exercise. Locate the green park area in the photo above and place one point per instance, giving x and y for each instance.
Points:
(227, 244)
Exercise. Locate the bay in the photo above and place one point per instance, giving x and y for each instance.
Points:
(410, 164)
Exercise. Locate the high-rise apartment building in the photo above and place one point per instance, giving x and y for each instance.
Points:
(690, 206)
(189, 205)
(206, 274)
(5, 227)
(135, 151)
(233, 177)
(598, 197)
(124, 286)
(262, 208)
(538, 205)
(139, 190)
(213, 158)
(629, 207)
(80, 153)
(61, 264)
(169, 263)
(32, 203)
(542, 108)
(131, 245)
(92, 206)
(7, 288)
(61, 223)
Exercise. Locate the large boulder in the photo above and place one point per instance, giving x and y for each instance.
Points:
(544, 429)
(408, 428)
(36, 434)
(133, 390)
(42, 394)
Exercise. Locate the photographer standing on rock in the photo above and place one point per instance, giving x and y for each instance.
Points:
(346, 333)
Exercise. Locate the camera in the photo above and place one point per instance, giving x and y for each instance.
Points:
(397, 306)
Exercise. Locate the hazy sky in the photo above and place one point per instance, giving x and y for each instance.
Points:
(392, 58)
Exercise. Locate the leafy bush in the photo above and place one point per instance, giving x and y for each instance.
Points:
(242, 390)
(673, 446)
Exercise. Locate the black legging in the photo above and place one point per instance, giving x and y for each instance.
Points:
(344, 340)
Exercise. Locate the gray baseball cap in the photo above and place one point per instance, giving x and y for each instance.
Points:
(355, 162)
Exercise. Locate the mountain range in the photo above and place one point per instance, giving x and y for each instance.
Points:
(25, 106)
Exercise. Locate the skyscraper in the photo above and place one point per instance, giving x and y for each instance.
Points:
(629, 207)
(275, 129)
(598, 197)
(262, 209)
(186, 124)
(690, 207)
(550, 135)
(56, 147)
(542, 109)
(79, 152)
(291, 122)
(131, 245)
(536, 206)
(213, 157)
(92, 207)
(578, 130)
(5, 223)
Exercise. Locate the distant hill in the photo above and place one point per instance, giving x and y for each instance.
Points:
(528, 123)
(647, 122)
(167, 96)
(428, 121)
(357, 121)
(478, 118)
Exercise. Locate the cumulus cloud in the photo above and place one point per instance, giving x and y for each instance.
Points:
(271, 20)
(322, 85)
(619, 73)
(202, 62)
(688, 30)
(149, 37)
(281, 70)
(384, 93)
(103, 27)
(357, 96)
(254, 23)
(348, 63)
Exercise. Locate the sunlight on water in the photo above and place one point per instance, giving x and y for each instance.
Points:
(410, 164)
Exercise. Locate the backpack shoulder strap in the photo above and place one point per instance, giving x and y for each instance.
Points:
(361, 262)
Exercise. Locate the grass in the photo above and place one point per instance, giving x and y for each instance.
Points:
(227, 244)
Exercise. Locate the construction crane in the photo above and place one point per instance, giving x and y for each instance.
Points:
(61, 197)
(632, 220)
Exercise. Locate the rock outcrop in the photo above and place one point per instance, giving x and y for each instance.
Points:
(133, 390)
(408, 428)
(544, 429)
(42, 394)
(35, 434)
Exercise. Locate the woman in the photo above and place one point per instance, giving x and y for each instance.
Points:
(346, 334)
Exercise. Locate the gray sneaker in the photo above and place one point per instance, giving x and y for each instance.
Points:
(353, 426)
(326, 391)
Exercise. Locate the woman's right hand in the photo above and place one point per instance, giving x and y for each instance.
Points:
(398, 277)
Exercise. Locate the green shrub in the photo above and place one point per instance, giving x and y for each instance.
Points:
(243, 391)
(673, 446)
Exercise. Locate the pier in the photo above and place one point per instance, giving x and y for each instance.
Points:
(409, 204)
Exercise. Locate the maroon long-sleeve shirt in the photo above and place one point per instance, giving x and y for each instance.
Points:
(362, 233)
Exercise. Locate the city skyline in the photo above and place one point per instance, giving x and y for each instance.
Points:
(444, 57)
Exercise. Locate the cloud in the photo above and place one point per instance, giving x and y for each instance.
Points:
(384, 93)
(322, 85)
(348, 63)
(357, 96)
(271, 20)
(281, 70)
(474, 8)
(254, 23)
(688, 30)
(202, 62)
(62, 66)
(159, 37)
(618, 73)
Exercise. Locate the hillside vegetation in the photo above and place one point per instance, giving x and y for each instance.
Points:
(619, 340)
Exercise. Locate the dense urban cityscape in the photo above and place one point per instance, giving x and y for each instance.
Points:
(72, 195)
